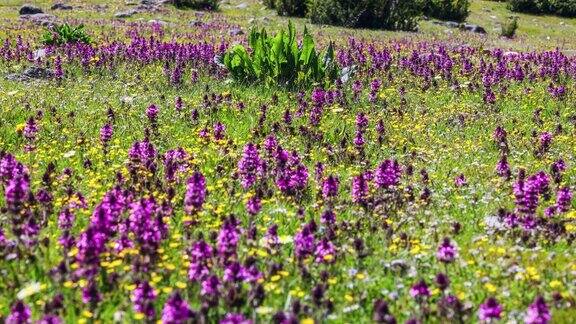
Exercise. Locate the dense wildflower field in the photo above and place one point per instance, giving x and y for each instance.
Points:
(139, 183)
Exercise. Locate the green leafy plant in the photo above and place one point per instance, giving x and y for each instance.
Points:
(509, 27)
(279, 60)
(62, 34)
(211, 5)
(378, 14)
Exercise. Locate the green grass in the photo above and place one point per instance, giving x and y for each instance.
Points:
(445, 131)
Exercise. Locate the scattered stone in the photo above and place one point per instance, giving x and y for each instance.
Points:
(449, 24)
(39, 54)
(31, 73)
(100, 8)
(126, 14)
(243, 5)
(465, 26)
(473, 28)
(40, 19)
(196, 23)
(158, 22)
(236, 31)
(61, 6)
(127, 100)
(29, 9)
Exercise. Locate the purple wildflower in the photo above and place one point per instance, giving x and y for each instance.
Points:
(460, 181)
(388, 174)
(219, 130)
(447, 251)
(228, 238)
(304, 242)
(106, 133)
(176, 310)
(330, 187)
(490, 310)
(50, 319)
(142, 298)
(420, 290)
(325, 252)
(232, 318)
(359, 189)
(253, 205)
(20, 313)
(503, 168)
(30, 129)
(152, 113)
(178, 104)
(250, 166)
(538, 312)
(58, 72)
(211, 286)
(195, 193)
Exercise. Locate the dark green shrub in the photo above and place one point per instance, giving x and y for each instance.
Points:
(456, 10)
(212, 5)
(508, 28)
(62, 34)
(565, 8)
(278, 60)
(269, 4)
(381, 14)
(291, 8)
(528, 6)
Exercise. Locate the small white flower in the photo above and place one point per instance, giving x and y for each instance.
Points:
(29, 290)
(351, 308)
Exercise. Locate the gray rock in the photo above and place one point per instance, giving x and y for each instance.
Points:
(100, 7)
(41, 19)
(126, 14)
(236, 31)
(159, 22)
(29, 9)
(39, 54)
(61, 6)
(196, 23)
(31, 73)
(243, 5)
(473, 28)
(449, 24)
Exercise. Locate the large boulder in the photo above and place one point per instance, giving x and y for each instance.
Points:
(29, 9)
